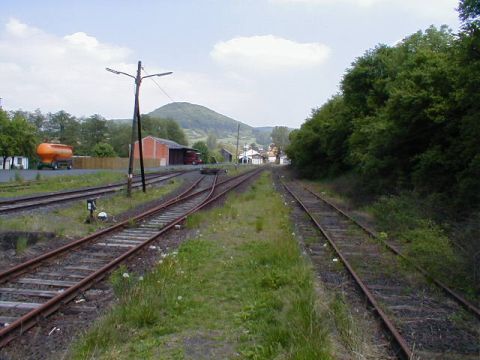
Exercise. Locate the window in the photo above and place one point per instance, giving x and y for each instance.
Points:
(19, 161)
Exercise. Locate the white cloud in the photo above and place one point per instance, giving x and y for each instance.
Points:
(41, 70)
(432, 9)
(268, 52)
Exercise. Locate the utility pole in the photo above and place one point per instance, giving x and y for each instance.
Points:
(136, 125)
(238, 135)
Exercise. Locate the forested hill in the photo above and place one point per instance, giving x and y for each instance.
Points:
(192, 116)
(199, 121)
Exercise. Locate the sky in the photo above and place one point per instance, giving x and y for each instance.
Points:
(262, 62)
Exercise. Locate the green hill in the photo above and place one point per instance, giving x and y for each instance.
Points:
(198, 121)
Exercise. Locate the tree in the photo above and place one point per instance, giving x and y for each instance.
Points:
(103, 150)
(469, 12)
(38, 120)
(17, 136)
(211, 141)
(280, 139)
(94, 130)
(24, 135)
(202, 148)
(320, 146)
(63, 128)
(163, 128)
(6, 140)
(120, 134)
(175, 132)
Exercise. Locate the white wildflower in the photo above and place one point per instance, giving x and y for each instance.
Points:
(140, 278)
(179, 297)
(125, 275)
(335, 259)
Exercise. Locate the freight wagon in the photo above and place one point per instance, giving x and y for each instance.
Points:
(54, 156)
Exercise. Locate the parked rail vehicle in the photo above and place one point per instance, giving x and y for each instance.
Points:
(54, 156)
(192, 158)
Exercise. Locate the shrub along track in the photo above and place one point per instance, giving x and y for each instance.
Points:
(17, 204)
(424, 321)
(33, 290)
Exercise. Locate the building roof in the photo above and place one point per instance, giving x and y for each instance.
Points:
(250, 152)
(170, 143)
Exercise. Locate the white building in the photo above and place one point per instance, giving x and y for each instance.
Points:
(19, 162)
(250, 157)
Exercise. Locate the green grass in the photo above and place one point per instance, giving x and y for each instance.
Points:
(406, 219)
(58, 183)
(345, 324)
(21, 244)
(69, 221)
(424, 242)
(237, 290)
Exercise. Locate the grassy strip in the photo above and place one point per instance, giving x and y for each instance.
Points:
(69, 221)
(239, 289)
(67, 182)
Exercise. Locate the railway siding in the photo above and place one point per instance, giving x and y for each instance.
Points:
(430, 322)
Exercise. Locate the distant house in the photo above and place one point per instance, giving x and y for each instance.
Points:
(284, 160)
(251, 157)
(19, 162)
(167, 152)
(227, 155)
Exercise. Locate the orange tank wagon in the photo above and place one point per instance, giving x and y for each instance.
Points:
(54, 156)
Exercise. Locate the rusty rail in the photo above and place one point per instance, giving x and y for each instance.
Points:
(457, 297)
(397, 337)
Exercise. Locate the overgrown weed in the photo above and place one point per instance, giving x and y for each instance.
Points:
(21, 244)
(425, 243)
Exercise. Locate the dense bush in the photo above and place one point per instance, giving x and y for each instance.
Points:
(406, 118)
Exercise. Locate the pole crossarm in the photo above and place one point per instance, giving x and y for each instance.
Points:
(161, 74)
(119, 72)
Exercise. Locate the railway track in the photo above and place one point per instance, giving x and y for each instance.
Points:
(35, 289)
(35, 201)
(423, 321)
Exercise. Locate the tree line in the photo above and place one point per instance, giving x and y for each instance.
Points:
(22, 131)
(407, 117)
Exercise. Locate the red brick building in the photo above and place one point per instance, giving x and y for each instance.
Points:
(167, 152)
